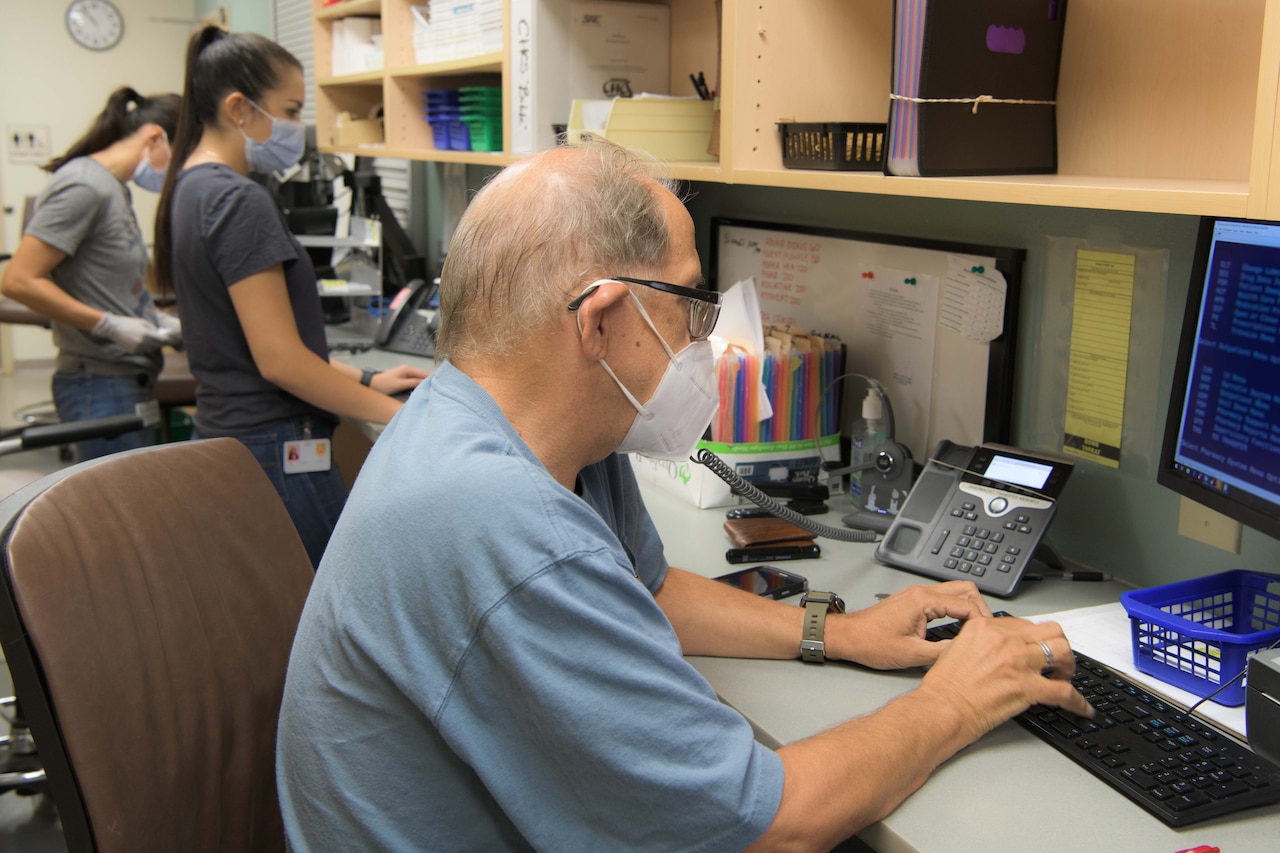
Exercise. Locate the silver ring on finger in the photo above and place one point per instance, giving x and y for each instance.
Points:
(1048, 658)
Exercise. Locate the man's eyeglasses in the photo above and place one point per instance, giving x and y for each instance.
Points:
(704, 305)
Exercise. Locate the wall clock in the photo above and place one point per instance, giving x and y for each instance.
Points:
(95, 24)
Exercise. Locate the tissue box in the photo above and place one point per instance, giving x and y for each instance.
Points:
(779, 462)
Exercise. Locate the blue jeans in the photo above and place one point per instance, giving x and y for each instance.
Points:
(314, 499)
(80, 396)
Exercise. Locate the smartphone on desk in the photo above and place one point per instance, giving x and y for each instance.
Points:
(769, 581)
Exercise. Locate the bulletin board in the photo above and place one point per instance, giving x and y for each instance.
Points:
(891, 300)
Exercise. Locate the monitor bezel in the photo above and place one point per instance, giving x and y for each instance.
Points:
(1167, 474)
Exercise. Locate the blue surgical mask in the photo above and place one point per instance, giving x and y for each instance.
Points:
(147, 176)
(282, 150)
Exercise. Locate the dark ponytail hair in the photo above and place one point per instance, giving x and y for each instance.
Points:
(126, 112)
(218, 63)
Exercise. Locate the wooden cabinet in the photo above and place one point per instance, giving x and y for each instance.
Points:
(1166, 107)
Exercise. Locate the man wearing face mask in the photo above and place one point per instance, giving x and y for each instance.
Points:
(246, 289)
(83, 263)
(506, 670)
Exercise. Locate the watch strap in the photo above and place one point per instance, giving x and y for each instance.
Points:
(366, 376)
(816, 607)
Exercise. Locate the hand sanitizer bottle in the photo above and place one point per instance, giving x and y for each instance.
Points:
(868, 434)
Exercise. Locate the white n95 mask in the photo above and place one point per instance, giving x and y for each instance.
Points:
(681, 409)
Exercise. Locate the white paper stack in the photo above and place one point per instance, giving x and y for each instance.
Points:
(445, 30)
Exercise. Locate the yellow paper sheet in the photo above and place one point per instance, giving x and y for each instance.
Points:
(1099, 356)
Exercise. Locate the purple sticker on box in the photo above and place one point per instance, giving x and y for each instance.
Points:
(1006, 39)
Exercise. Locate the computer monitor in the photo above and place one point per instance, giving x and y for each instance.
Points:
(1222, 437)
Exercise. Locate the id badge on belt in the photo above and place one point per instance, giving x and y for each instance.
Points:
(307, 455)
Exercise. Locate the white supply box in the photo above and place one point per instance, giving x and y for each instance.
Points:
(357, 46)
(614, 49)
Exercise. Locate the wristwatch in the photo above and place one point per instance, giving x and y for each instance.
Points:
(366, 376)
(816, 607)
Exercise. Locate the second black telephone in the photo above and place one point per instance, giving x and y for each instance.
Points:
(411, 320)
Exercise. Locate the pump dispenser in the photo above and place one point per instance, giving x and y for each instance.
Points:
(868, 434)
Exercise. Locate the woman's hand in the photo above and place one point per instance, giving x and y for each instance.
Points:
(401, 378)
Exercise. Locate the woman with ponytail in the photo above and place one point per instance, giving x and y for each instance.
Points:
(246, 289)
(83, 264)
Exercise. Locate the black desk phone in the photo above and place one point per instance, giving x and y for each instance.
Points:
(976, 513)
(411, 320)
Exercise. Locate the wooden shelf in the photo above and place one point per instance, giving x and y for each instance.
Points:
(495, 159)
(485, 63)
(1223, 198)
(364, 78)
(1183, 120)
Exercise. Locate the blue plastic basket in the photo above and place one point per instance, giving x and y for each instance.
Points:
(1199, 634)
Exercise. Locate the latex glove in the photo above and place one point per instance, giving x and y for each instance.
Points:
(171, 327)
(131, 334)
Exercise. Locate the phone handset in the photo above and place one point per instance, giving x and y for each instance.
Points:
(751, 493)
(410, 323)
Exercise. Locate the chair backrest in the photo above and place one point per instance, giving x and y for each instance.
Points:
(148, 602)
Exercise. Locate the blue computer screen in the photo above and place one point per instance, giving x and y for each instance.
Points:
(1222, 441)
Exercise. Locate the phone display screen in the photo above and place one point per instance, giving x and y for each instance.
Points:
(1020, 472)
(766, 581)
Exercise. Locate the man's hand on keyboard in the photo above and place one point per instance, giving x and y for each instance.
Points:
(996, 668)
(890, 634)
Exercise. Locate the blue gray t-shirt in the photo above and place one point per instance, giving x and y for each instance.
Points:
(225, 229)
(86, 212)
(481, 664)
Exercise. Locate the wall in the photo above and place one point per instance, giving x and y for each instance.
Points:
(254, 16)
(47, 79)
(1117, 521)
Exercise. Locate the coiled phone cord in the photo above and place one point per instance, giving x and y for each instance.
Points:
(751, 493)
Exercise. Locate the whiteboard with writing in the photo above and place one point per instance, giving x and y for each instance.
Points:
(933, 322)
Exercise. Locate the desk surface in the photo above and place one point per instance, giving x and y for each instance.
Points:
(1009, 791)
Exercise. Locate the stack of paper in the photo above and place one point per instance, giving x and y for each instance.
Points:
(445, 30)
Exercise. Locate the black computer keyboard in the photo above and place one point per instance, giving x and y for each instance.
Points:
(1180, 768)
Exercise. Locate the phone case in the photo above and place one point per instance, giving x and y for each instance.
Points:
(750, 532)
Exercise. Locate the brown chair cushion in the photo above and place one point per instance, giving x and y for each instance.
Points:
(161, 590)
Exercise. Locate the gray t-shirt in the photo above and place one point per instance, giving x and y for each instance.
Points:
(225, 229)
(86, 212)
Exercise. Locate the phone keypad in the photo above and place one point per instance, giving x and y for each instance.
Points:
(977, 549)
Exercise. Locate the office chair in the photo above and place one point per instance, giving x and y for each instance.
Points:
(20, 769)
(148, 602)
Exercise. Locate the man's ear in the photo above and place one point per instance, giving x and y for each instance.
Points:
(598, 317)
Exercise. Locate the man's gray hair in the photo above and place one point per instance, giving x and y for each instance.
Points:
(537, 234)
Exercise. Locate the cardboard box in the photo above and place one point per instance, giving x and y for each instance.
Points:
(770, 462)
(562, 51)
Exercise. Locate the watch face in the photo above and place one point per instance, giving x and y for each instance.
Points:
(95, 24)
